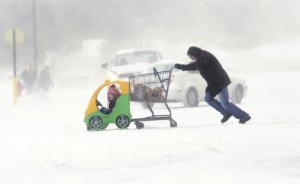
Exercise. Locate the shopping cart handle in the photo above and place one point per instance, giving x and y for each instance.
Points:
(172, 68)
(155, 71)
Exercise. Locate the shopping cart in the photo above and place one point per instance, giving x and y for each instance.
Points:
(144, 88)
(151, 88)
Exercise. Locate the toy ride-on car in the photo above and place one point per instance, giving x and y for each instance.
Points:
(98, 118)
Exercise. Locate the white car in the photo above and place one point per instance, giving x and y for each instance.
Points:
(130, 62)
(189, 87)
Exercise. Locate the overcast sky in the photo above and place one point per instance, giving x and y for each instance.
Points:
(230, 25)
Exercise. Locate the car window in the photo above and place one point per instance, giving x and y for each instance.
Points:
(139, 57)
(169, 66)
(161, 67)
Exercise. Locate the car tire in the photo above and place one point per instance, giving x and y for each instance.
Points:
(238, 94)
(191, 98)
(144, 105)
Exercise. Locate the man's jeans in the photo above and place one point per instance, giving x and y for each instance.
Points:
(224, 106)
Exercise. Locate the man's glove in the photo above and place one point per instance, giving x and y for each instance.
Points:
(178, 66)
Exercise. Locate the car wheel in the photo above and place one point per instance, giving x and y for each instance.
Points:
(191, 98)
(144, 105)
(238, 94)
(96, 123)
(122, 122)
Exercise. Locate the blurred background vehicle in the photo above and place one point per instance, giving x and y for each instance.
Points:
(188, 87)
(130, 62)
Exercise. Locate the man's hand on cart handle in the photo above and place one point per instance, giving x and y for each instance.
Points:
(155, 71)
(178, 66)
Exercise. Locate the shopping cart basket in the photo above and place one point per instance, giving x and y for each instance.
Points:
(151, 88)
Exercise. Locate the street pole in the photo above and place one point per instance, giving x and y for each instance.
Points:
(34, 36)
(14, 37)
(15, 68)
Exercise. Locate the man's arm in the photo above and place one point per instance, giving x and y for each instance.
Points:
(188, 67)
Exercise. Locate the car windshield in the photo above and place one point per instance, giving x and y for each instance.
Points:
(138, 57)
(161, 67)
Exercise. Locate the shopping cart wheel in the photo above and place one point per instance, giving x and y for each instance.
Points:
(173, 123)
(139, 125)
(122, 122)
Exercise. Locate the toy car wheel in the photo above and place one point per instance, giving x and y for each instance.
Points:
(122, 122)
(96, 122)
(139, 125)
(173, 123)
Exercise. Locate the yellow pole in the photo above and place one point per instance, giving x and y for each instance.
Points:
(15, 84)
(14, 37)
(15, 67)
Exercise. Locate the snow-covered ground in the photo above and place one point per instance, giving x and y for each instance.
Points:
(44, 140)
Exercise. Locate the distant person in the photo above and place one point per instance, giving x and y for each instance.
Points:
(45, 80)
(28, 77)
(113, 94)
(217, 83)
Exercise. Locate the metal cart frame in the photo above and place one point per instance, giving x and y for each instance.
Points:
(151, 87)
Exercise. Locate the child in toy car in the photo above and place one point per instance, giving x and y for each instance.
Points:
(113, 94)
